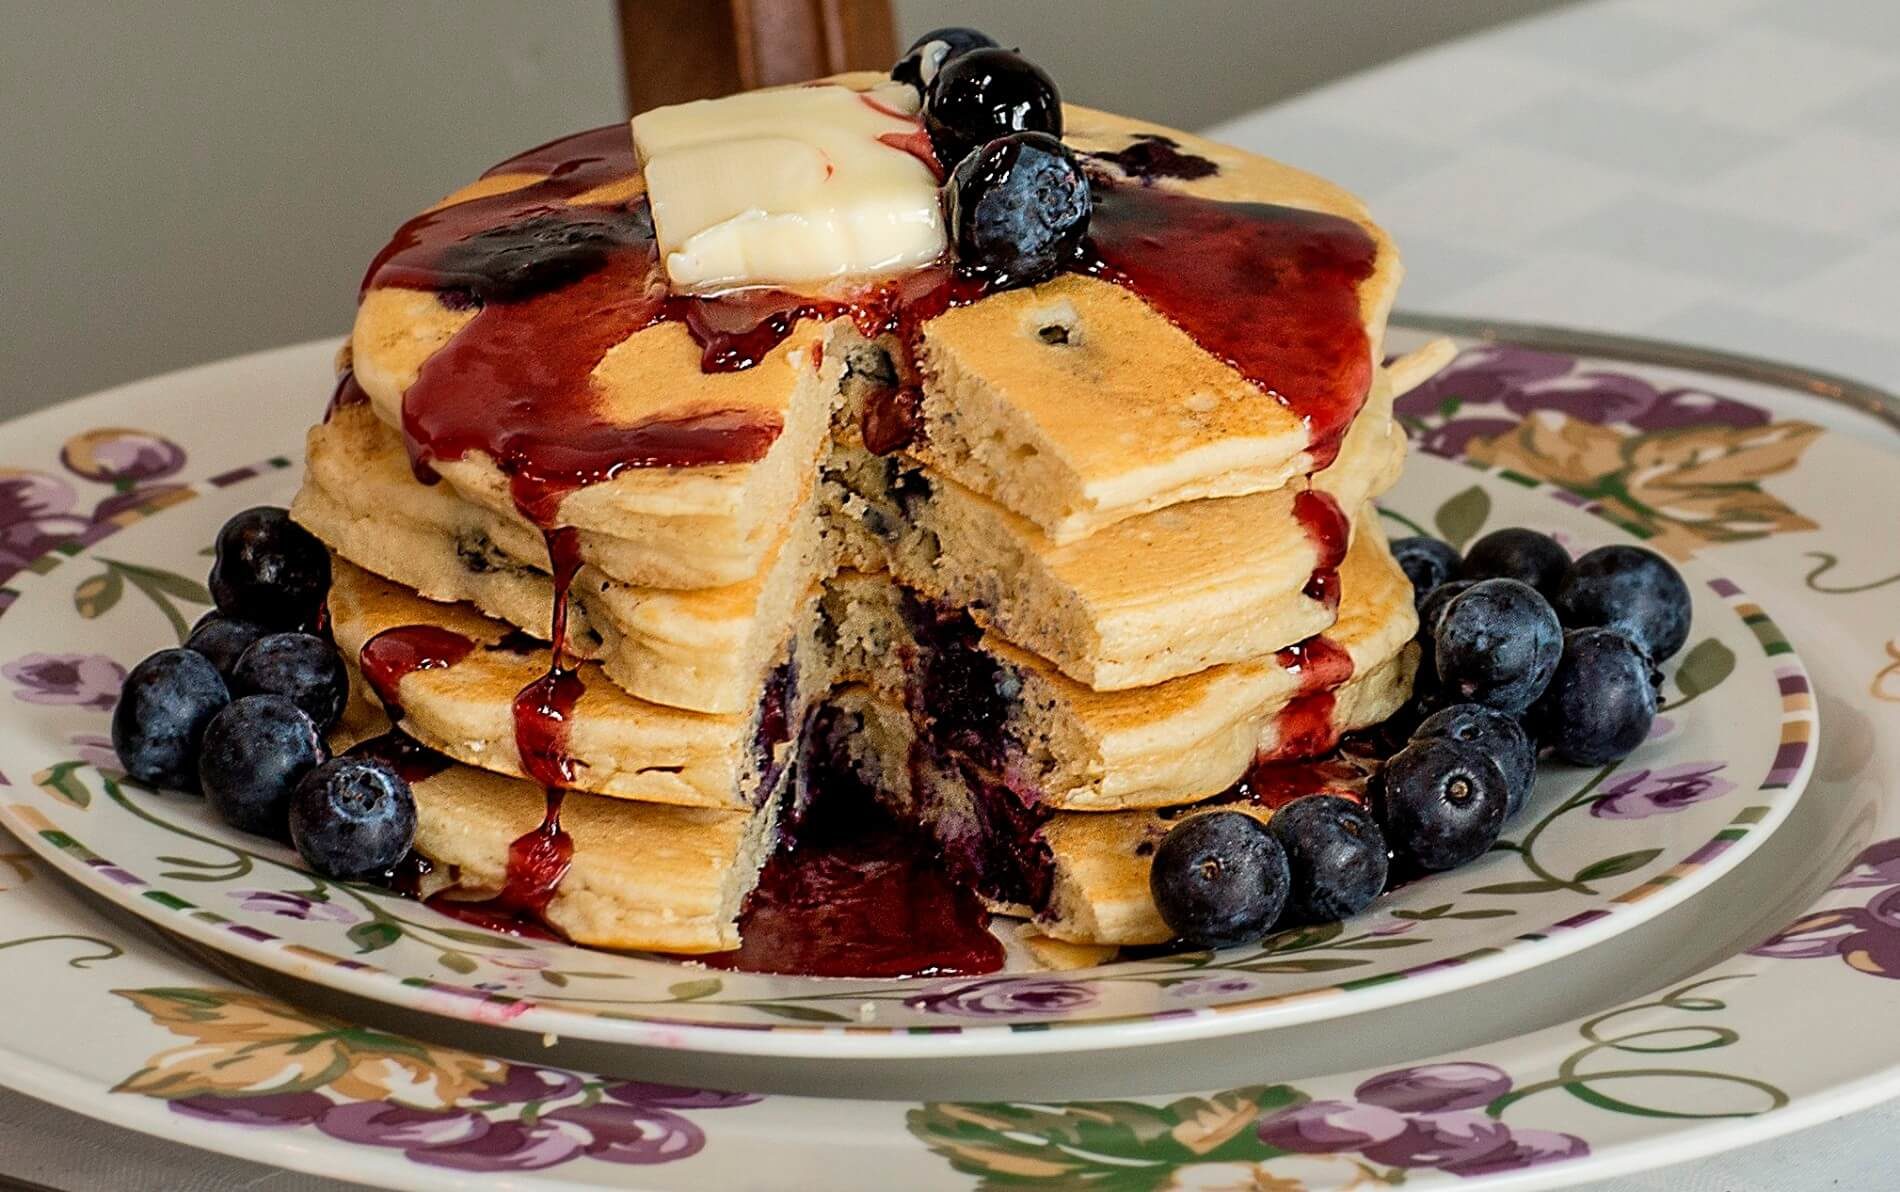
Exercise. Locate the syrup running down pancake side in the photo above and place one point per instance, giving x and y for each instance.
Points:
(556, 283)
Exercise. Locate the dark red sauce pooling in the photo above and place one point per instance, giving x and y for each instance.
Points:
(876, 904)
(395, 654)
(1150, 156)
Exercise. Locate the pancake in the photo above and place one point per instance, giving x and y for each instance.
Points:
(1130, 415)
(1069, 747)
(1147, 599)
(644, 876)
(701, 649)
(621, 745)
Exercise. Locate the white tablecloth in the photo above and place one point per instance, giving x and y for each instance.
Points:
(1725, 172)
(1722, 172)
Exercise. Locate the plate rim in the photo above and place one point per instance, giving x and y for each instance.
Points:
(959, 1039)
(1690, 1141)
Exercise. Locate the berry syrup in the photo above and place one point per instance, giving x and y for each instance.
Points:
(561, 270)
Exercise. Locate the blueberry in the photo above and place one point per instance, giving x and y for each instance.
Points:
(1500, 737)
(269, 569)
(1496, 644)
(1219, 879)
(352, 817)
(254, 753)
(1433, 607)
(1427, 562)
(1017, 208)
(1520, 554)
(223, 639)
(1629, 589)
(1442, 802)
(1600, 704)
(984, 94)
(299, 666)
(927, 55)
(163, 709)
(1335, 855)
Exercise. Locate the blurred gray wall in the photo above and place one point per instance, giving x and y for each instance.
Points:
(189, 179)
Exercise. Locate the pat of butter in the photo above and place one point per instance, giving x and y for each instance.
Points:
(797, 186)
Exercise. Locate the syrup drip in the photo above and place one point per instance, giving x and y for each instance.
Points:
(1305, 725)
(346, 394)
(1330, 531)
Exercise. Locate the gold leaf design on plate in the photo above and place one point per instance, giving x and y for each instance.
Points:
(244, 1043)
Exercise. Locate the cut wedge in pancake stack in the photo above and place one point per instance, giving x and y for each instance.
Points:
(652, 578)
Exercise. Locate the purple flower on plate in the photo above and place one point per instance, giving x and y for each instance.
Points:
(36, 514)
(1866, 937)
(95, 750)
(1662, 792)
(263, 1109)
(1676, 408)
(1435, 1088)
(1003, 997)
(1424, 1116)
(1483, 375)
(86, 680)
(1599, 398)
(116, 455)
(384, 1123)
(1328, 1127)
(1215, 985)
(292, 906)
(525, 1082)
(508, 1146)
(1877, 865)
(614, 1132)
(646, 1093)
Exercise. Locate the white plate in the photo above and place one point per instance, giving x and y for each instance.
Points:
(1596, 852)
(1772, 1011)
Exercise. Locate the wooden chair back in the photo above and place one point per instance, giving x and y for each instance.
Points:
(676, 50)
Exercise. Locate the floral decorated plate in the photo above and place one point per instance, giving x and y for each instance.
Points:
(1755, 1008)
(106, 532)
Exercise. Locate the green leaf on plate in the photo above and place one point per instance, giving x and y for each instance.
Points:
(690, 991)
(1460, 518)
(457, 962)
(1303, 964)
(1704, 668)
(94, 597)
(1536, 885)
(558, 980)
(479, 939)
(1618, 865)
(374, 935)
(798, 1013)
(63, 781)
(169, 582)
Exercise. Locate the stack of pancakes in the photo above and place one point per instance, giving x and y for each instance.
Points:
(1097, 579)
